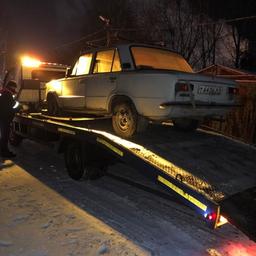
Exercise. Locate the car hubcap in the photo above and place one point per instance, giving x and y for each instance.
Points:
(124, 119)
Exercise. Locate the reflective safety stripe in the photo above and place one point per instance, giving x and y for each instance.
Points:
(116, 150)
(66, 131)
(181, 192)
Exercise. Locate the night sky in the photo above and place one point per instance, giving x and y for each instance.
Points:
(41, 26)
(30, 28)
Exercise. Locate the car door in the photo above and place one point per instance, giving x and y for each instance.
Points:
(73, 88)
(103, 80)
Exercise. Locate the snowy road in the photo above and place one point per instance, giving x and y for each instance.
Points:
(43, 212)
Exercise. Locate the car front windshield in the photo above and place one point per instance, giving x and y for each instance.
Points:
(155, 58)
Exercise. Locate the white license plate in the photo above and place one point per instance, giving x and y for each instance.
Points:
(209, 90)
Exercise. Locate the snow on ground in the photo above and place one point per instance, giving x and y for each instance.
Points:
(43, 212)
(35, 220)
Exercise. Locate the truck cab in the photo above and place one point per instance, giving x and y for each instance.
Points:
(31, 75)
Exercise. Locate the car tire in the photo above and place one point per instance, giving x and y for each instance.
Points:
(52, 106)
(187, 125)
(124, 119)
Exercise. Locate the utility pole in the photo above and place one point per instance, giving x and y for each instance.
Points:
(107, 27)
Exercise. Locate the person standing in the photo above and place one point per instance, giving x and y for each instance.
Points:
(7, 112)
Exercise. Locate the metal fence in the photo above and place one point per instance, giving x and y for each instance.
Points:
(240, 123)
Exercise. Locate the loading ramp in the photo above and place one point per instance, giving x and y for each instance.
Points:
(212, 192)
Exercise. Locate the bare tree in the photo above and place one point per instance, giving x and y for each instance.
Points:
(175, 24)
(237, 43)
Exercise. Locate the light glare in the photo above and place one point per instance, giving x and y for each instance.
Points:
(55, 85)
(30, 62)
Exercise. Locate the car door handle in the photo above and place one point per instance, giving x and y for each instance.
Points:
(112, 79)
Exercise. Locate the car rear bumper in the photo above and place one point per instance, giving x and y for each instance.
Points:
(198, 104)
(198, 110)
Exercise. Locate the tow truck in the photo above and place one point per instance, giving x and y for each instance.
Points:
(31, 75)
(219, 195)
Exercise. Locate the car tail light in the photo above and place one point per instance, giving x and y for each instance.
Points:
(233, 90)
(183, 87)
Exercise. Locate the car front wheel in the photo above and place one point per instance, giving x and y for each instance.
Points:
(124, 119)
(52, 106)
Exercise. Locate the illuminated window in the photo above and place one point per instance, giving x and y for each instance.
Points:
(116, 63)
(153, 58)
(104, 62)
(82, 66)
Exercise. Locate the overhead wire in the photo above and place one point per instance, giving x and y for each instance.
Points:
(142, 29)
(228, 21)
(80, 39)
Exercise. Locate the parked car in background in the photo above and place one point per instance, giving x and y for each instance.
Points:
(136, 83)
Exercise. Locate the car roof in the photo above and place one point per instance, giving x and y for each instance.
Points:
(118, 46)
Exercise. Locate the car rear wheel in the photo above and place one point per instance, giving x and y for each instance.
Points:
(186, 124)
(124, 119)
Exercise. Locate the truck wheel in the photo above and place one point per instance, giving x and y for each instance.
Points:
(14, 139)
(186, 124)
(78, 164)
(52, 106)
(124, 119)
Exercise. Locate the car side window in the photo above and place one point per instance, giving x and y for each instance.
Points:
(116, 63)
(107, 61)
(82, 66)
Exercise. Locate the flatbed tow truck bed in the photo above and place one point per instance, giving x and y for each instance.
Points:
(195, 167)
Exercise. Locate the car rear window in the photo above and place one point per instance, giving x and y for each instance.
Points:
(46, 75)
(154, 58)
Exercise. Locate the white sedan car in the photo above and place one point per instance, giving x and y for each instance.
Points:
(135, 83)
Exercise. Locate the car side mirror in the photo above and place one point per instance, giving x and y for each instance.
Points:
(68, 72)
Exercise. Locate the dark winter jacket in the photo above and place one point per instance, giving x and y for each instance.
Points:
(7, 103)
